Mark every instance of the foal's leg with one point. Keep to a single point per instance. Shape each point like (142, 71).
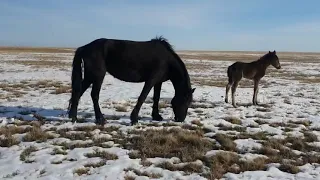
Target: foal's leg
(255, 91)
(135, 112)
(230, 83)
(155, 107)
(74, 105)
(95, 99)
(233, 91)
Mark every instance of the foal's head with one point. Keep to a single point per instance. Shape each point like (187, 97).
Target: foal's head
(272, 56)
(180, 105)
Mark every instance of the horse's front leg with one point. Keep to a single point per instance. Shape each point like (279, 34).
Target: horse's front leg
(255, 92)
(145, 91)
(156, 98)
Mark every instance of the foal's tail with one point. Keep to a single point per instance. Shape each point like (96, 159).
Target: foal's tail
(76, 77)
(229, 72)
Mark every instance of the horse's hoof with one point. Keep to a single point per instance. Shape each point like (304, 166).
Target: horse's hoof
(73, 119)
(226, 101)
(133, 123)
(100, 121)
(157, 117)
(235, 106)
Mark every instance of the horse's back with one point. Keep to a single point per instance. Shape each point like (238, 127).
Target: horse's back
(132, 61)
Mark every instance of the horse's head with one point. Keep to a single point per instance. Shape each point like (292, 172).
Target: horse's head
(274, 59)
(180, 104)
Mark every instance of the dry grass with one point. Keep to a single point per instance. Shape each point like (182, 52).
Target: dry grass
(65, 145)
(74, 135)
(226, 142)
(57, 150)
(61, 90)
(13, 129)
(306, 123)
(295, 76)
(280, 151)
(81, 171)
(223, 127)
(19, 89)
(233, 120)
(40, 64)
(144, 173)
(175, 142)
(37, 134)
(129, 177)
(25, 154)
(223, 81)
(97, 164)
(103, 154)
(197, 122)
(310, 137)
(289, 168)
(224, 162)
(257, 136)
(8, 140)
(13, 174)
(221, 163)
(121, 108)
(187, 167)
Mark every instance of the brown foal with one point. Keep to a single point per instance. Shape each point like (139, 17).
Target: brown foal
(254, 70)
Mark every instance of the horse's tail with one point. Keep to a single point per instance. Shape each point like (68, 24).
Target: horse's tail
(76, 77)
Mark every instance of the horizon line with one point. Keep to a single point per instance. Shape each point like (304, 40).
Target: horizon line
(201, 50)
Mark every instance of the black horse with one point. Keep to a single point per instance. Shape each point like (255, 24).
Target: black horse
(152, 62)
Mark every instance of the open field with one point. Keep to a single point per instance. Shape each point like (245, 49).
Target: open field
(279, 139)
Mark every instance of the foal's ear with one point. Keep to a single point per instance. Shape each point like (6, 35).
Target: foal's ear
(192, 90)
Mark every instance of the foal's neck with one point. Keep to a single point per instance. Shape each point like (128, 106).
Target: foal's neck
(264, 62)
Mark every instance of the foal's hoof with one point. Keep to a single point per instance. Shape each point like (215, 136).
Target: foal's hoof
(157, 117)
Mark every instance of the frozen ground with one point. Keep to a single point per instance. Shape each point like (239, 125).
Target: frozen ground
(277, 140)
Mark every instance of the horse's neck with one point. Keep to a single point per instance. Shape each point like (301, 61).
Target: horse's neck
(179, 78)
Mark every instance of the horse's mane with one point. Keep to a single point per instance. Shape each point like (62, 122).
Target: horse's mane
(165, 42)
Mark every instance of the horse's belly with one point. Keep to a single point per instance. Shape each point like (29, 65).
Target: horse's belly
(127, 75)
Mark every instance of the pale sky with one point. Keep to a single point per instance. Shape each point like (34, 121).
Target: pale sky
(282, 25)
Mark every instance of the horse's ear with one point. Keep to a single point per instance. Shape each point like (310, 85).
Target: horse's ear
(274, 52)
(269, 52)
(192, 90)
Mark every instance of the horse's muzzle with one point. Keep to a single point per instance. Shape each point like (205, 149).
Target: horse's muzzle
(279, 67)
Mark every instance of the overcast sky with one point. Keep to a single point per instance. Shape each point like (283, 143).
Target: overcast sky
(283, 25)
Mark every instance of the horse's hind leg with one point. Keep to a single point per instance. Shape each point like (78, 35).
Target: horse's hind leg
(145, 91)
(155, 107)
(76, 97)
(95, 99)
(233, 91)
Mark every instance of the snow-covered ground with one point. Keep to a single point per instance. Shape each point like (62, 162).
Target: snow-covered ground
(35, 86)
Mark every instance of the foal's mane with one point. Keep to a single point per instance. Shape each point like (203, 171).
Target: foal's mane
(264, 57)
(169, 47)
